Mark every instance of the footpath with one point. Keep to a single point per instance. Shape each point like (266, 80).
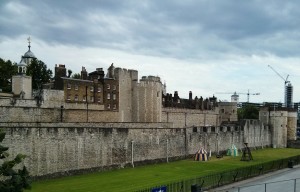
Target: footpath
(283, 180)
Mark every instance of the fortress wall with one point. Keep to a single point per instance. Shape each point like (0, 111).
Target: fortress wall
(37, 114)
(189, 117)
(53, 148)
(292, 126)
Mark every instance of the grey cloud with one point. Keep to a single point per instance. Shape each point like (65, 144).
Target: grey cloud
(189, 29)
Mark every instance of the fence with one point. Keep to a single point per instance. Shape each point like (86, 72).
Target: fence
(220, 179)
(291, 185)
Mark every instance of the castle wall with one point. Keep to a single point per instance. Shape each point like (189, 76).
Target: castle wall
(228, 111)
(147, 103)
(189, 117)
(22, 83)
(127, 80)
(20, 110)
(292, 126)
(65, 147)
(278, 120)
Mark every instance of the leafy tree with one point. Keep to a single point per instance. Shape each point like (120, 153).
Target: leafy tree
(12, 180)
(37, 69)
(248, 112)
(76, 76)
(7, 70)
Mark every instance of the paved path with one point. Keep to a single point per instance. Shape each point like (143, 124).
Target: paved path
(278, 181)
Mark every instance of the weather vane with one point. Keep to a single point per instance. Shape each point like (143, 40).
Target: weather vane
(29, 41)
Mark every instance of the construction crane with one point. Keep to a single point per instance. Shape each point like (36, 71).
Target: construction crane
(284, 79)
(235, 95)
(288, 89)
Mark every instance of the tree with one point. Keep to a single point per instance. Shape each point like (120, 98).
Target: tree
(248, 112)
(76, 76)
(12, 180)
(7, 70)
(37, 69)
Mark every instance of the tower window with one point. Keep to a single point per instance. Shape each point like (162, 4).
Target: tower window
(114, 97)
(108, 86)
(108, 95)
(68, 85)
(92, 88)
(76, 87)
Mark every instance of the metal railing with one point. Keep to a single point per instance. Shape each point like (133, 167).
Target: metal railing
(290, 185)
(223, 178)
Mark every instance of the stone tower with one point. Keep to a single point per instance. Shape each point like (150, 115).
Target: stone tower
(21, 83)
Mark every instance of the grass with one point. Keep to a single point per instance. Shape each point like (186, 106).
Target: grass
(130, 179)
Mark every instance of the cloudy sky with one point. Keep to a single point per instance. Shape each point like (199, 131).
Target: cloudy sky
(203, 46)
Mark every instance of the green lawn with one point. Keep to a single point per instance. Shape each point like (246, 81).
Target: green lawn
(130, 179)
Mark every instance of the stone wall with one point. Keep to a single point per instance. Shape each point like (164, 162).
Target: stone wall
(147, 104)
(62, 148)
(21, 110)
(189, 117)
(127, 80)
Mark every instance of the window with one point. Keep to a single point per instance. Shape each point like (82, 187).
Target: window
(76, 87)
(195, 129)
(84, 98)
(108, 106)
(114, 87)
(228, 128)
(114, 97)
(68, 85)
(99, 99)
(91, 98)
(115, 106)
(69, 97)
(108, 95)
(108, 86)
(99, 88)
(92, 88)
(76, 98)
(205, 129)
(213, 129)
